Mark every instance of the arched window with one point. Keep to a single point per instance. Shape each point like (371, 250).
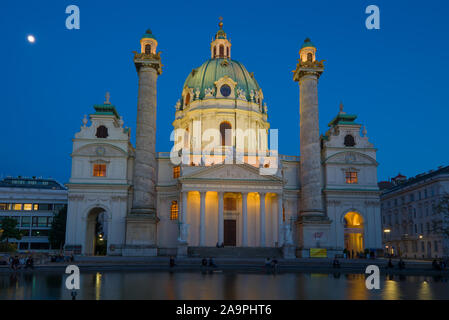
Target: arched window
(174, 210)
(227, 52)
(349, 141)
(102, 132)
(187, 100)
(309, 57)
(221, 51)
(215, 52)
(223, 127)
(147, 48)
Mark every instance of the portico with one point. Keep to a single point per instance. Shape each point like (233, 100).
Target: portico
(235, 212)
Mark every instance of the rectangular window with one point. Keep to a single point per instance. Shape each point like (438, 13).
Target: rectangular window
(35, 206)
(27, 207)
(230, 204)
(99, 170)
(39, 246)
(39, 233)
(17, 206)
(3, 206)
(176, 172)
(26, 221)
(42, 222)
(351, 177)
(174, 209)
(45, 207)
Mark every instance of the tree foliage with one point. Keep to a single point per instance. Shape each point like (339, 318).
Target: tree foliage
(56, 235)
(9, 230)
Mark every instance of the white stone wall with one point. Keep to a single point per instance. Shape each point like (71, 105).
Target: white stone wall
(110, 193)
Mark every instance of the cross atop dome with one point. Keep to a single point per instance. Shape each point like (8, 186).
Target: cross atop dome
(220, 46)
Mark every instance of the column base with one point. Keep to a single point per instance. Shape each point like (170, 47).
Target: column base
(313, 234)
(141, 235)
(182, 250)
(289, 251)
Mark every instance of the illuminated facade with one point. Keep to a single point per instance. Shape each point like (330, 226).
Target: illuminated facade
(410, 218)
(223, 183)
(32, 202)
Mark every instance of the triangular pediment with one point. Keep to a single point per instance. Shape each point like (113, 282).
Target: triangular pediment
(231, 172)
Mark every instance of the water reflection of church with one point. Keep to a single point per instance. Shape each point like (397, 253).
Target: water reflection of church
(152, 205)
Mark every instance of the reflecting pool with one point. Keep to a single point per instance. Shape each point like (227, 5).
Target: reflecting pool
(219, 285)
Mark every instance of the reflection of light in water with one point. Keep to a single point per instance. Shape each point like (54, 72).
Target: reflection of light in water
(97, 286)
(424, 291)
(391, 290)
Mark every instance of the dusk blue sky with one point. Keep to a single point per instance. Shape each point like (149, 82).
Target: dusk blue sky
(394, 79)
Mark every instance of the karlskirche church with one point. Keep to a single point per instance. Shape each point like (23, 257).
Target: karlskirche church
(223, 188)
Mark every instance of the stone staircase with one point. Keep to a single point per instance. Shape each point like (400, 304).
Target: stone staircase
(234, 252)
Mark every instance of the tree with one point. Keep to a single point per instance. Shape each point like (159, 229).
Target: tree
(9, 230)
(56, 235)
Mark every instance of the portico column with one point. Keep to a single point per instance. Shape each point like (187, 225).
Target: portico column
(262, 219)
(280, 219)
(202, 218)
(244, 219)
(220, 217)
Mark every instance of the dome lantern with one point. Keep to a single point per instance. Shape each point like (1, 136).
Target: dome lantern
(148, 43)
(308, 51)
(220, 47)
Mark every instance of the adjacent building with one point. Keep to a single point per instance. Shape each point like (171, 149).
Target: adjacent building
(32, 202)
(409, 215)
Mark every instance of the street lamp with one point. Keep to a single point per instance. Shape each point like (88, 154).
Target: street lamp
(387, 231)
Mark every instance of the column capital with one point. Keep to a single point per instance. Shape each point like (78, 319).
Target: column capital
(308, 68)
(145, 60)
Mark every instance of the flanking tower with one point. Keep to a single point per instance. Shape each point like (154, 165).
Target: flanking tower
(141, 222)
(313, 222)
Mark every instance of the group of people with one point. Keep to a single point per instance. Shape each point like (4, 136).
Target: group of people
(401, 264)
(271, 264)
(220, 245)
(62, 258)
(208, 263)
(17, 263)
(351, 254)
(439, 265)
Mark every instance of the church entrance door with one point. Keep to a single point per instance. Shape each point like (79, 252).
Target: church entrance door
(230, 233)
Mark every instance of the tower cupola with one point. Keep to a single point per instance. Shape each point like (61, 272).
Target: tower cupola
(307, 51)
(220, 47)
(148, 43)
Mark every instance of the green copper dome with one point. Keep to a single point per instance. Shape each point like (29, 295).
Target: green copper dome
(148, 34)
(212, 70)
(307, 43)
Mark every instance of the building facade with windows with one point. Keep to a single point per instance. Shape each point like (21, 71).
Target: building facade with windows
(409, 216)
(223, 182)
(32, 202)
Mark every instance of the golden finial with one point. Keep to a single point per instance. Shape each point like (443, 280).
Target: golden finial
(220, 24)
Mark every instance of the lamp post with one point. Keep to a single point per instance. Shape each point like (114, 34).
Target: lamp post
(387, 232)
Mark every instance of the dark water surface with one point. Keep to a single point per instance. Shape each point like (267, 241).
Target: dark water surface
(219, 285)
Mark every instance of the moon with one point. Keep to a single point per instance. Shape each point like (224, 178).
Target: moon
(31, 38)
